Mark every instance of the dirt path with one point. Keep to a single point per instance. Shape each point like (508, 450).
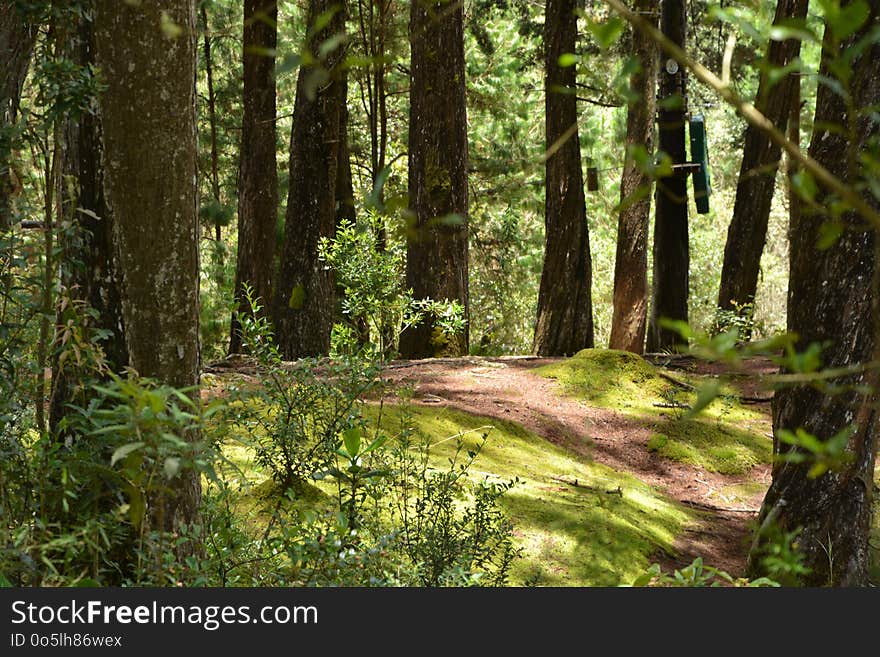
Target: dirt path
(506, 388)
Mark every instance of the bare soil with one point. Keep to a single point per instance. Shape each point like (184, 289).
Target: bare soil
(507, 388)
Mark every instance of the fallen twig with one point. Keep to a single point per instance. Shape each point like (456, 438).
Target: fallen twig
(680, 384)
(616, 491)
(712, 507)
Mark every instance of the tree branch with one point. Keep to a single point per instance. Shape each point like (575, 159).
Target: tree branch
(751, 115)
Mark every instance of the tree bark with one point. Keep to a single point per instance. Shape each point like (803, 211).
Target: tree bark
(345, 209)
(17, 37)
(437, 236)
(258, 173)
(628, 322)
(304, 293)
(671, 249)
(90, 271)
(565, 308)
(833, 296)
(757, 177)
(148, 114)
(212, 114)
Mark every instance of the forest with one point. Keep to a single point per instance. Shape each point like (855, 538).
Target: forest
(505, 293)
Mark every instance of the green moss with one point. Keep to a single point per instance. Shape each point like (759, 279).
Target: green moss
(297, 297)
(746, 494)
(725, 437)
(707, 444)
(610, 379)
(584, 535)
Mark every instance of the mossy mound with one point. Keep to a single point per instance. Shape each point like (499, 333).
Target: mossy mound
(610, 378)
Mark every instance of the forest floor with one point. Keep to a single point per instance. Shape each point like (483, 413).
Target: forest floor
(510, 389)
(614, 472)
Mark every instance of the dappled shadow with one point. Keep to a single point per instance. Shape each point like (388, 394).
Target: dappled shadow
(507, 390)
(585, 535)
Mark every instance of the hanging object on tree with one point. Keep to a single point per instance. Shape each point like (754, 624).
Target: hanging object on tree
(700, 155)
(592, 179)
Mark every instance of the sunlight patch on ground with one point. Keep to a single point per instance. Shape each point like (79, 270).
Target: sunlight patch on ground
(726, 437)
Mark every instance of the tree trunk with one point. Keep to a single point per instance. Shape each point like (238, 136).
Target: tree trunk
(304, 292)
(437, 237)
(833, 297)
(565, 308)
(631, 264)
(374, 18)
(345, 209)
(17, 36)
(793, 132)
(148, 114)
(757, 177)
(212, 114)
(90, 273)
(258, 174)
(671, 251)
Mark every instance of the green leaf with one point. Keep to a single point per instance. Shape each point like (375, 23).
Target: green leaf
(124, 451)
(113, 428)
(681, 327)
(288, 63)
(374, 200)
(804, 185)
(351, 438)
(848, 19)
(87, 583)
(785, 32)
(567, 59)
(606, 32)
(370, 474)
(376, 444)
(776, 74)
(173, 439)
(706, 394)
(763, 581)
(329, 472)
(323, 20)
(673, 102)
(646, 578)
(829, 233)
(329, 45)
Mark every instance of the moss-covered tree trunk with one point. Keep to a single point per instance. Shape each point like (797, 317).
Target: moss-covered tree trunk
(833, 297)
(747, 232)
(148, 114)
(17, 36)
(565, 308)
(304, 295)
(437, 234)
(90, 271)
(628, 322)
(257, 173)
(669, 299)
